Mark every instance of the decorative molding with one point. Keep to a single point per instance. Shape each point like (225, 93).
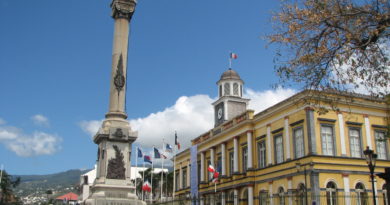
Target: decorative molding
(326, 120)
(277, 130)
(116, 166)
(297, 122)
(353, 123)
(119, 79)
(260, 137)
(123, 9)
(380, 126)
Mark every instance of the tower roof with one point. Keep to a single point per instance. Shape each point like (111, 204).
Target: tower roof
(230, 74)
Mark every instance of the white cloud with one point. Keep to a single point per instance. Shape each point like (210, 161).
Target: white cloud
(189, 116)
(91, 127)
(40, 120)
(39, 143)
(25, 145)
(261, 100)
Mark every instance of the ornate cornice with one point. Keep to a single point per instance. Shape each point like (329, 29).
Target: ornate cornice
(123, 8)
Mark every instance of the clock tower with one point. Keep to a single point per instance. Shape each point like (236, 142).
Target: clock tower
(230, 102)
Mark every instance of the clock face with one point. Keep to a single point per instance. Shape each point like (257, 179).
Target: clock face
(220, 113)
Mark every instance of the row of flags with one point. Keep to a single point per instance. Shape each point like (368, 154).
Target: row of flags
(156, 154)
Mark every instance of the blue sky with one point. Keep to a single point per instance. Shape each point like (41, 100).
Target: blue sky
(55, 62)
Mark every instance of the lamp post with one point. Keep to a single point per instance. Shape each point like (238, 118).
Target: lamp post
(371, 161)
(298, 166)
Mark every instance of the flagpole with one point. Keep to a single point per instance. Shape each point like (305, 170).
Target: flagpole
(151, 179)
(174, 172)
(162, 171)
(143, 180)
(136, 171)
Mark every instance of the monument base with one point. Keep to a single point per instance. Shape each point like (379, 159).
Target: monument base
(103, 194)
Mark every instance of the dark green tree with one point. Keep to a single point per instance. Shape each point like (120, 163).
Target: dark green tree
(6, 189)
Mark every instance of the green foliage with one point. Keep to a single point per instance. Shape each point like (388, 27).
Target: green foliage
(7, 185)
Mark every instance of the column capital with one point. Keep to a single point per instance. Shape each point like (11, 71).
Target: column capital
(249, 131)
(309, 108)
(236, 137)
(289, 178)
(344, 174)
(286, 117)
(365, 116)
(123, 9)
(269, 125)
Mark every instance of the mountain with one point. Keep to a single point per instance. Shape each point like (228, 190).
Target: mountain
(36, 186)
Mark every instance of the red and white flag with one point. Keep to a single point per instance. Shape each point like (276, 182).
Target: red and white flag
(215, 176)
(211, 169)
(146, 187)
(233, 56)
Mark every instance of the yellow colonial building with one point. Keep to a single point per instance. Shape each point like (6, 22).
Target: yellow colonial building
(290, 153)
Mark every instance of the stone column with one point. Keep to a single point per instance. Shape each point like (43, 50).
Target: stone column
(271, 202)
(368, 131)
(212, 156)
(346, 189)
(181, 177)
(249, 135)
(311, 134)
(250, 195)
(188, 174)
(287, 138)
(202, 166)
(269, 158)
(223, 198)
(342, 133)
(223, 153)
(236, 197)
(290, 189)
(122, 12)
(235, 167)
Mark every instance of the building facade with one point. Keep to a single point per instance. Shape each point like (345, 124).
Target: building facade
(291, 153)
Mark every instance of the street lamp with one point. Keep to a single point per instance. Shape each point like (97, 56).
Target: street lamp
(298, 166)
(371, 161)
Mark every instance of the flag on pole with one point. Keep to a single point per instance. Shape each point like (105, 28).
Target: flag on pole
(168, 148)
(147, 159)
(211, 169)
(139, 152)
(163, 156)
(215, 177)
(177, 142)
(157, 154)
(233, 56)
(146, 187)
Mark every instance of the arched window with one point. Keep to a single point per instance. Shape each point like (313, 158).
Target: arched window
(235, 89)
(361, 194)
(263, 197)
(384, 192)
(331, 193)
(220, 90)
(300, 196)
(226, 89)
(280, 197)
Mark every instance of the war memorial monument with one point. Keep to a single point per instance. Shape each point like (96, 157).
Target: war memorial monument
(112, 185)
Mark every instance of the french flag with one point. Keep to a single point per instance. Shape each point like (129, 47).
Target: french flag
(233, 56)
